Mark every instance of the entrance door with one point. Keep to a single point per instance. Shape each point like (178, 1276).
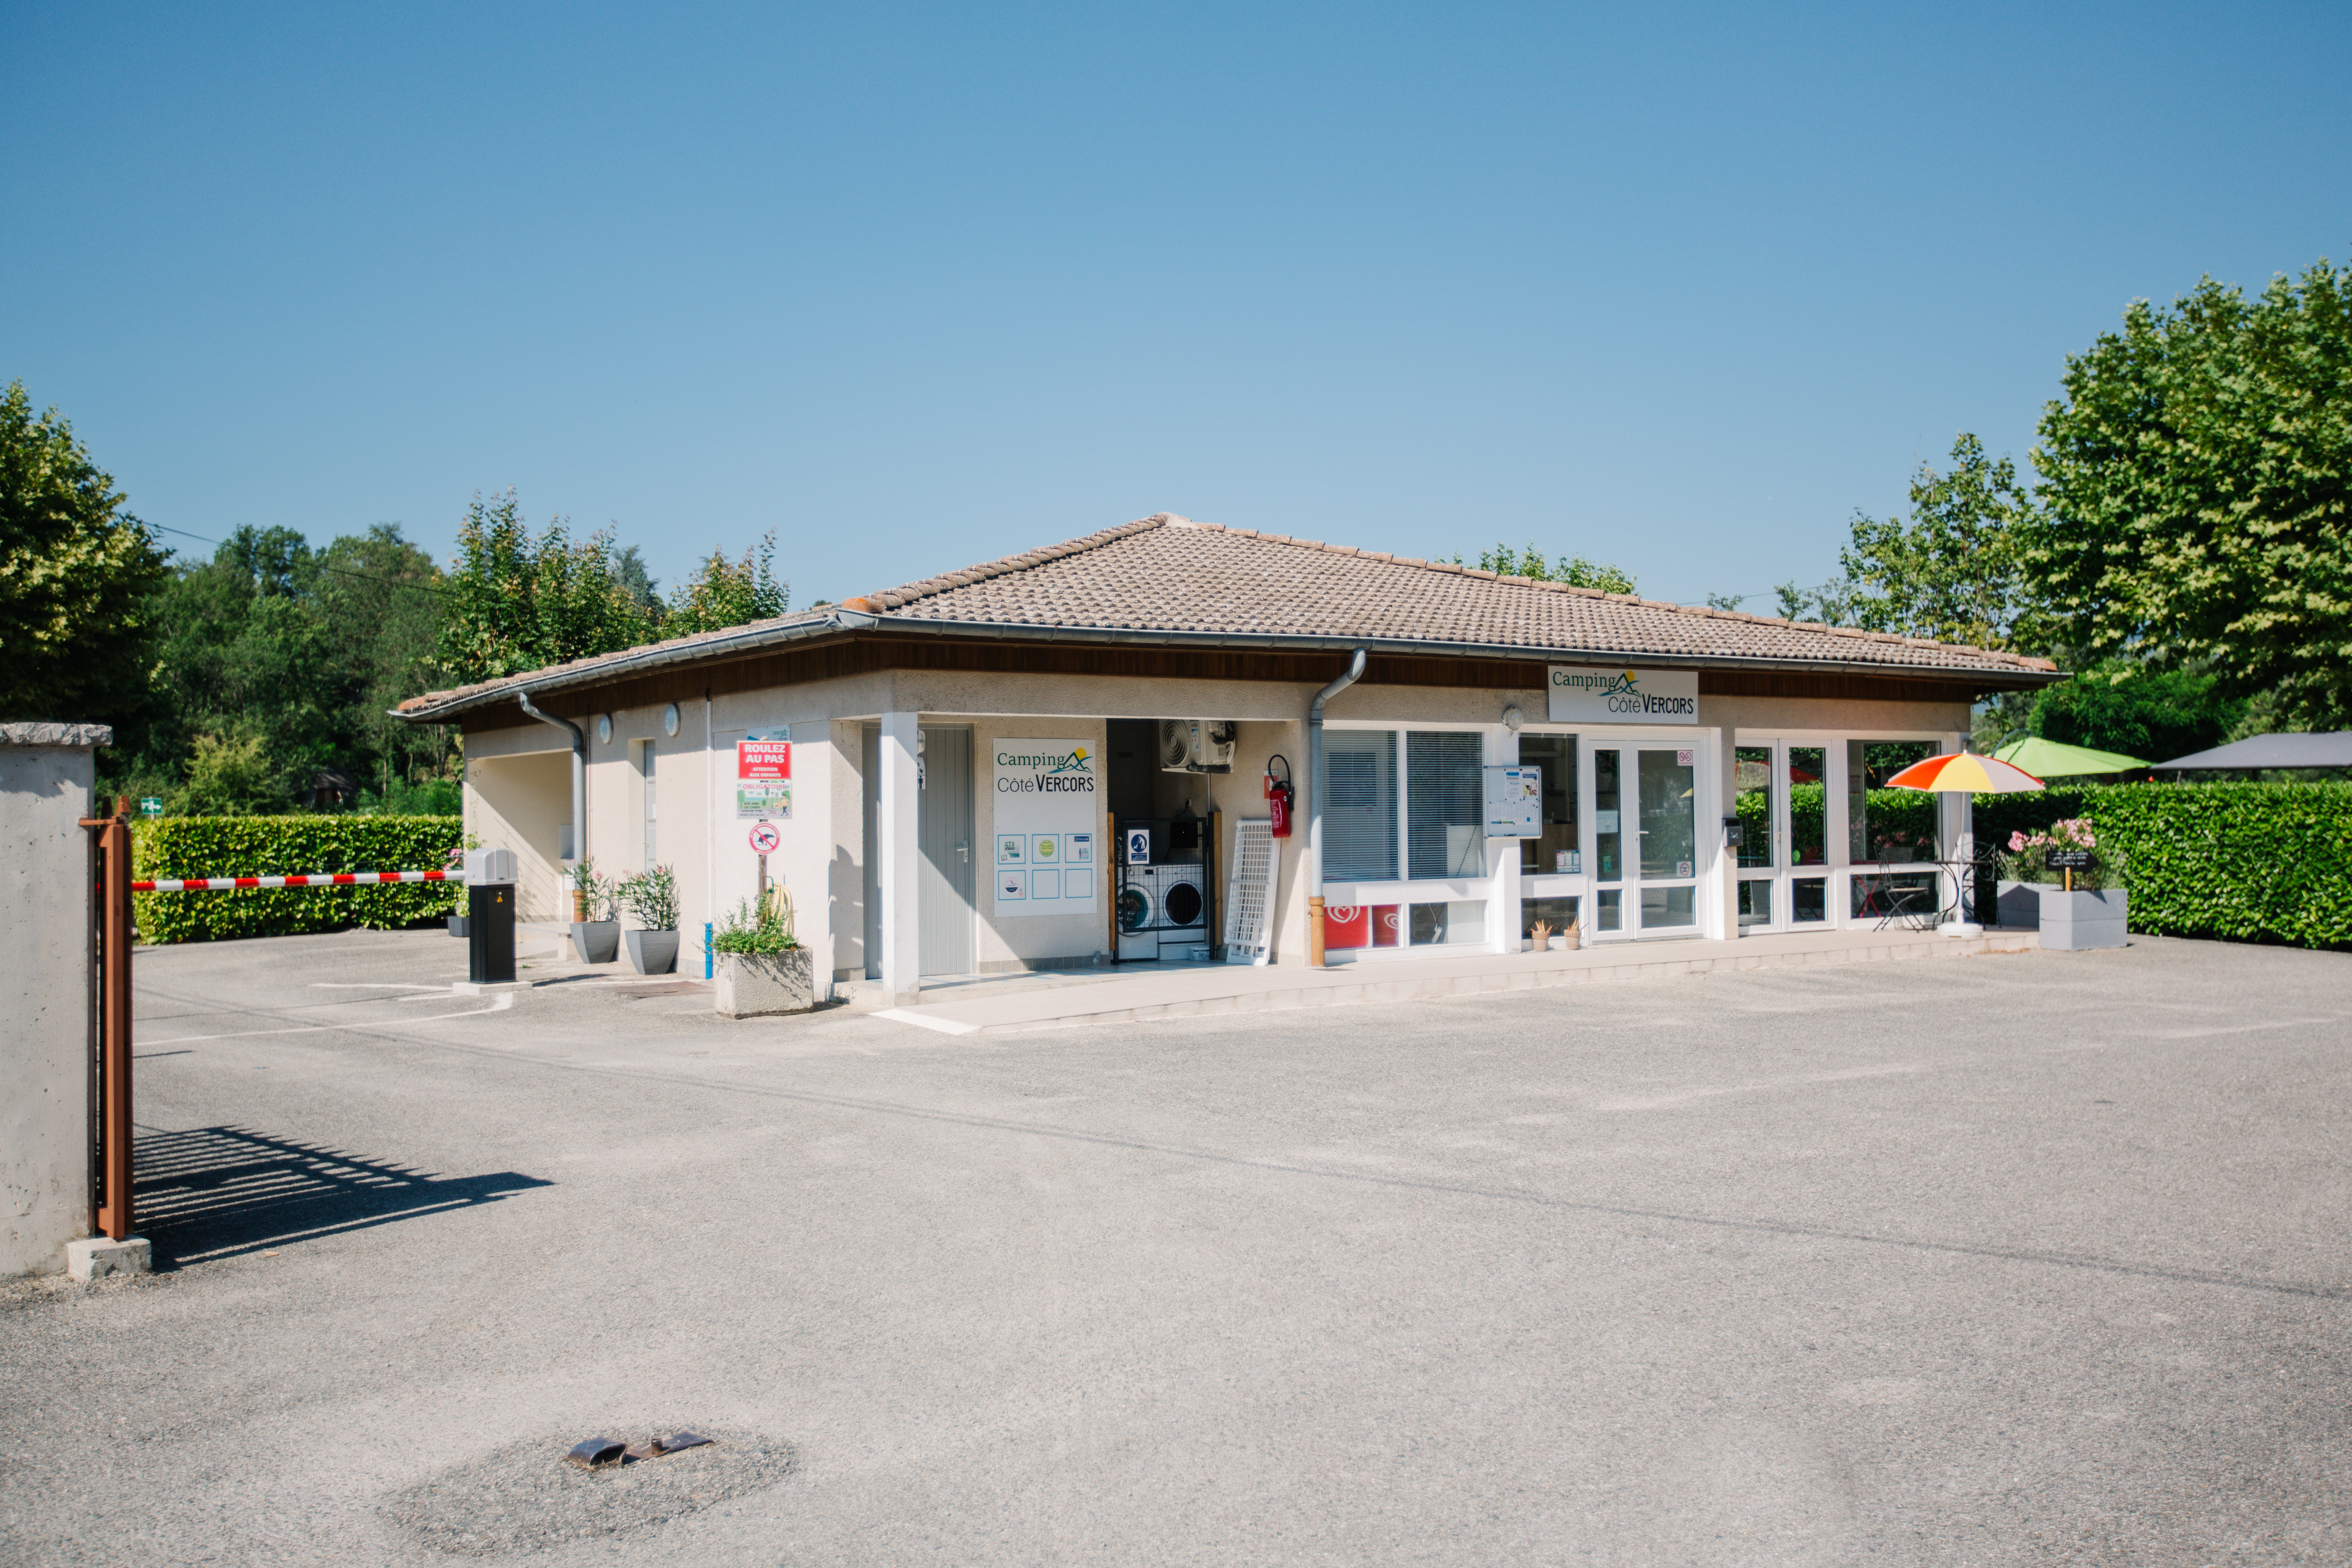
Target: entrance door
(1645, 839)
(944, 872)
(1783, 805)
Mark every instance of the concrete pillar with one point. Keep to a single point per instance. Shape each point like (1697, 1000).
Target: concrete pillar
(897, 850)
(1501, 748)
(46, 777)
(1956, 838)
(1723, 894)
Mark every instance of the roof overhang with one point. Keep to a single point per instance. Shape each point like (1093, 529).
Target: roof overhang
(836, 623)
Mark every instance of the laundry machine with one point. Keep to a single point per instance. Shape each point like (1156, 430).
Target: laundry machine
(1140, 912)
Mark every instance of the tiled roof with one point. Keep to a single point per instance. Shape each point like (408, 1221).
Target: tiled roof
(1167, 576)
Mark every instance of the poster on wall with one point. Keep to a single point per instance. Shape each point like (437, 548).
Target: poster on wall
(1515, 802)
(763, 775)
(1046, 799)
(1613, 695)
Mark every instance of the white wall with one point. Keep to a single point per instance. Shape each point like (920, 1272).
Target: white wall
(46, 772)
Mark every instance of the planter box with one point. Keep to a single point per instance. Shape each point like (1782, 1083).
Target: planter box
(458, 927)
(652, 951)
(596, 942)
(2070, 923)
(754, 985)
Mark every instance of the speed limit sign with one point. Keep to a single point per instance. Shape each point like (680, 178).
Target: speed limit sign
(764, 838)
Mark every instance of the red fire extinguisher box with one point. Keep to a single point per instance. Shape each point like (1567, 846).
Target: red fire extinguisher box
(1278, 796)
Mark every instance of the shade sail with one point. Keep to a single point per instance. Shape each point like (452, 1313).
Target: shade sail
(1966, 773)
(2331, 749)
(2050, 760)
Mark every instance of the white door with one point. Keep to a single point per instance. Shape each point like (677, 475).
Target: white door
(1782, 802)
(1645, 839)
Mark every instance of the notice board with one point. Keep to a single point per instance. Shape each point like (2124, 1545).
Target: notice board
(1045, 800)
(763, 775)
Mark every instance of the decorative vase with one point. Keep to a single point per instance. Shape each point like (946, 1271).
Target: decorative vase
(652, 951)
(757, 984)
(596, 942)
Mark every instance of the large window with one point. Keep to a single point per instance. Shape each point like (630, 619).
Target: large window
(1445, 804)
(1892, 827)
(1557, 851)
(1359, 805)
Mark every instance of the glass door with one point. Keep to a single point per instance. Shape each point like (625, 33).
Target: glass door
(1782, 804)
(1645, 839)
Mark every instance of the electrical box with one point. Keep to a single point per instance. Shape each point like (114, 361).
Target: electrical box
(483, 867)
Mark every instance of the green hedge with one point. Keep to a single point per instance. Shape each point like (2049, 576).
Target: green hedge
(177, 846)
(2250, 862)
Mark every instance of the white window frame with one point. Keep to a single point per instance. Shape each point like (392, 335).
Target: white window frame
(1499, 889)
(1838, 846)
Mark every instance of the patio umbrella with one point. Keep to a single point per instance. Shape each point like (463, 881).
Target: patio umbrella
(2050, 760)
(1966, 773)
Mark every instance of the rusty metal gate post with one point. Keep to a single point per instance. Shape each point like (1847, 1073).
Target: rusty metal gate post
(112, 1195)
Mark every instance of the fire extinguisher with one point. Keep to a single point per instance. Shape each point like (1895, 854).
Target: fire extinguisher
(1279, 794)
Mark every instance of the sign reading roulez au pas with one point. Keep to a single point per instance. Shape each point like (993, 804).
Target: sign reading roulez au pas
(1047, 804)
(1611, 694)
(763, 775)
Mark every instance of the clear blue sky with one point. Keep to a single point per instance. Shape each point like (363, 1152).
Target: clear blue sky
(1678, 288)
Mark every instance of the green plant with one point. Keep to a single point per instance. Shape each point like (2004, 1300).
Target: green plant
(168, 848)
(652, 897)
(2028, 856)
(761, 929)
(601, 895)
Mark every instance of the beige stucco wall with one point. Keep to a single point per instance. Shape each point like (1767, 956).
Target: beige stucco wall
(518, 786)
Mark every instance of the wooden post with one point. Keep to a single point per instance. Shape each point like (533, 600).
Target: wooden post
(115, 1211)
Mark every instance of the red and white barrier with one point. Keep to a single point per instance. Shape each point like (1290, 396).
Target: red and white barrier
(316, 879)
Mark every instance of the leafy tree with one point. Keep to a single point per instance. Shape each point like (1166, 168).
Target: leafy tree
(1577, 572)
(233, 777)
(641, 585)
(1952, 572)
(2155, 714)
(76, 574)
(2197, 479)
(516, 602)
(724, 593)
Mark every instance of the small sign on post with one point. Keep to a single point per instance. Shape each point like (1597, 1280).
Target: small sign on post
(151, 806)
(2069, 861)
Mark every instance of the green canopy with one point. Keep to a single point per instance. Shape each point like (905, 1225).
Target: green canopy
(2049, 760)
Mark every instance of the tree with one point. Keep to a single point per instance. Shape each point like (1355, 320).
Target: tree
(515, 603)
(76, 574)
(724, 593)
(1953, 572)
(2197, 479)
(2153, 714)
(1577, 572)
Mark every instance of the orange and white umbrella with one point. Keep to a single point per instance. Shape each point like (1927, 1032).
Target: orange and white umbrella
(1966, 773)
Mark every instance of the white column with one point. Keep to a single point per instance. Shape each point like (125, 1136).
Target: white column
(1956, 839)
(895, 844)
(1724, 896)
(1501, 748)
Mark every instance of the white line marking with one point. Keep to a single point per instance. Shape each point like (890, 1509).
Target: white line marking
(371, 985)
(910, 1015)
(498, 1005)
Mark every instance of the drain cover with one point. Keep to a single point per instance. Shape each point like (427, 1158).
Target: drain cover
(530, 1495)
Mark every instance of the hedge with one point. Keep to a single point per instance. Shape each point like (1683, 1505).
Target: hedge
(174, 846)
(2248, 862)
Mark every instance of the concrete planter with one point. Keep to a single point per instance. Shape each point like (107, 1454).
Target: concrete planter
(2070, 921)
(458, 927)
(596, 942)
(753, 985)
(652, 951)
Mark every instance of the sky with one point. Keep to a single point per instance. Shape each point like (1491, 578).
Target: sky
(1678, 288)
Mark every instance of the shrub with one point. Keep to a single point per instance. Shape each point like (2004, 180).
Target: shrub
(764, 928)
(2248, 862)
(652, 897)
(165, 847)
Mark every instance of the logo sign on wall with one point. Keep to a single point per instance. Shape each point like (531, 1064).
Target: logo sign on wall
(1582, 695)
(1046, 801)
(764, 775)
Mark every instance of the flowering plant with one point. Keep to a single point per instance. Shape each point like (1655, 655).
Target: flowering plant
(2028, 859)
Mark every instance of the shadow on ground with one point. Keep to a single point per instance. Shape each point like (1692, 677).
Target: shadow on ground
(215, 1192)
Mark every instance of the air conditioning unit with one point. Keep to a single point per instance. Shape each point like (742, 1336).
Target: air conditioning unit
(1197, 745)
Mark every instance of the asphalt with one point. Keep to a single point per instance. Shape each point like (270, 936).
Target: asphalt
(2011, 1259)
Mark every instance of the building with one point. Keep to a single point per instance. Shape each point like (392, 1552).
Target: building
(955, 752)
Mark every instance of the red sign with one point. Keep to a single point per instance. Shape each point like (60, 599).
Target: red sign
(764, 838)
(763, 759)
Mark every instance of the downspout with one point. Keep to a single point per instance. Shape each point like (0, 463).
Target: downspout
(1315, 806)
(579, 795)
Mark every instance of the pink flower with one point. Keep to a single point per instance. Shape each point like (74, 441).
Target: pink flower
(2016, 842)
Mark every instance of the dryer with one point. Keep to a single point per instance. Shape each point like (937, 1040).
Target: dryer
(1138, 913)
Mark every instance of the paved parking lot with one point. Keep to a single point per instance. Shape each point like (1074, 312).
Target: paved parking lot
(2035, 1258)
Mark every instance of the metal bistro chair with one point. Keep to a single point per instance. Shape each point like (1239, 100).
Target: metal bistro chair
(1909, 907)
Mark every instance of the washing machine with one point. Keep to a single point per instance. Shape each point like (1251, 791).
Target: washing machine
(1139, 913)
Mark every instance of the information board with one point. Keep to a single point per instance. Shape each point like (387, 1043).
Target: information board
(1514, 802)
(763, 775)
(1046, 801)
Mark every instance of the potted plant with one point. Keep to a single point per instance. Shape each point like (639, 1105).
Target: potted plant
(651, 897)
(596, 932)
(1570, 935)
(1539, 936)
(762, 969)
(2080, 903)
